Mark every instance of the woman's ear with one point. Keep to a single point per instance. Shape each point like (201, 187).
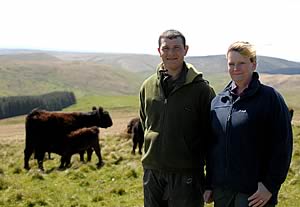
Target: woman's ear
(254, 64)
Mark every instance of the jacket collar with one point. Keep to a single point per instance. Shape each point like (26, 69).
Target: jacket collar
(250, 90)
(192, 73)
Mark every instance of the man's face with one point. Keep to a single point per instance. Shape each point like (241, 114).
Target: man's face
(172, 52)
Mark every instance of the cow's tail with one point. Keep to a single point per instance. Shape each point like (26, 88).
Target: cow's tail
(29, 139)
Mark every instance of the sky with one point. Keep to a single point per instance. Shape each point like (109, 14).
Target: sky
(133, 26)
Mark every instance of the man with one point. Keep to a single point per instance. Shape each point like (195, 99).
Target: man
(174, 111)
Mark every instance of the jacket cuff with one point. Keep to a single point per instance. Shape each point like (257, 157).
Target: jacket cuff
(271, 186)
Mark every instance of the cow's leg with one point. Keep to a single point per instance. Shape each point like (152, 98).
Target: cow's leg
(97, 150)
(62, 161)
(133, 148)
(141, 142)
(40, 159)
(27, 154)
(81, 154)
(65, 160)
(134, 140)
(68, 160)
(49, 156)
(89, 154)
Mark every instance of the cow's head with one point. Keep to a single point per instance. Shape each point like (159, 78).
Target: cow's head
(129, 128)
(104, 117)
(132, 123)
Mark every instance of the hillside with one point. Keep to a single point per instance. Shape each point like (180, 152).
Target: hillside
(30, 72)
(36, 73)
(139, 63)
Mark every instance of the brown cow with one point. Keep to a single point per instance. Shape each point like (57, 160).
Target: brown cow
(135, 128)
(47, 131)
(81, 140)
(89, 151)
(131, 123)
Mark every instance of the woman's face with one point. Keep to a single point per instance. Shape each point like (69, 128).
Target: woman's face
(240, 68)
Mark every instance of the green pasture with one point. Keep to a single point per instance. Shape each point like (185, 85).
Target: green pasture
(117, 184)
(126, 103)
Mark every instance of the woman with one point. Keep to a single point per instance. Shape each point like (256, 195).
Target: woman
(252, 147)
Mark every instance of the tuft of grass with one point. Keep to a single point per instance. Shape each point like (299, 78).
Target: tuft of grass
(17, 170)
(119, 191)
(118, 160)
(97, 198)
(37, 176)
(3, 184)
(132, 173)
(76, 175)
(19, 196)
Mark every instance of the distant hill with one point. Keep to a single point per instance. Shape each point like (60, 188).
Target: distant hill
(217, 63)
(33, 72)
(38, 73)
(131, 62)
(209, 64)
(28, 57)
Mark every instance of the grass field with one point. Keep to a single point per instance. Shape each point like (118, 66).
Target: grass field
(117, 184)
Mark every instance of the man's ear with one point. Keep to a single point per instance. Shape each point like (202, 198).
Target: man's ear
(186, 49)
(158, 49)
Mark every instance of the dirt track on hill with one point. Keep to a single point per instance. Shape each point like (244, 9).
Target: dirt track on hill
(16, 132)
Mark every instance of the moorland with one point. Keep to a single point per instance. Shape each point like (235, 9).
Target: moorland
(111, 81)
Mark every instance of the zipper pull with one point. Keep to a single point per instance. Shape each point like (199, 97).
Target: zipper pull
(166, 101)
(228, 117)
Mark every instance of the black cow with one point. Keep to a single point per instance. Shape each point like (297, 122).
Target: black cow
(89, 151)
(81, 140)
(291, 110)
(47, 131)
(131, 123)
(135, 128)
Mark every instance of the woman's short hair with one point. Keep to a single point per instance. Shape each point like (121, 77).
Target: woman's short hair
(244, 48)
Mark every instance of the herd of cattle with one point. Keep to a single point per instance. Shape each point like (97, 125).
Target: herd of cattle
(67, 134)
(64, 134)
